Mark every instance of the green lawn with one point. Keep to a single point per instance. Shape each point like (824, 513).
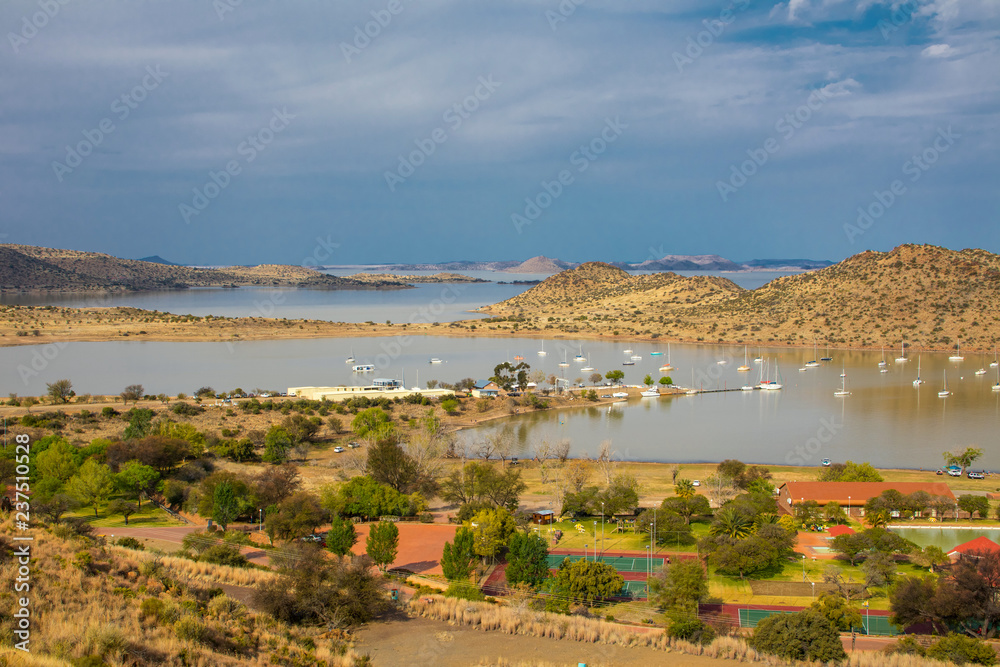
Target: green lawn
(149, 515)
(613, 541)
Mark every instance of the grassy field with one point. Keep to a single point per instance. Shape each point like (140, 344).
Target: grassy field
(148, 516)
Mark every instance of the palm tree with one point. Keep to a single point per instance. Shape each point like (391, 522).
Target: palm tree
(684, 488)
(732, 523)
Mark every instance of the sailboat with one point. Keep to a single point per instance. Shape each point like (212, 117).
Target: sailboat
(996, 387)
(918, 381)
(883, 362)
(666, 368)
(564, 363)
(771, 385)
(996, 360)
(944, 392)
(745, 368)
(827, 357)
(588, 368)
(902, 353)
(542, 351)
(958, 353)
(350, 359)
(580, 358)
(843, 385)
(758, 359)
(813, 363)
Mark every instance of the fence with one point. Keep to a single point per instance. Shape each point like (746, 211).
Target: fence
(870, 625)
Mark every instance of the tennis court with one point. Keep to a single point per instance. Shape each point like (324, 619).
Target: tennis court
(620, 563)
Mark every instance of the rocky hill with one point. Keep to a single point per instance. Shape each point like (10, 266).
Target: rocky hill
(927, 296)
(540, 264)
(37, 268)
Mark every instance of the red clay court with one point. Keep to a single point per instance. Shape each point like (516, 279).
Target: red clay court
(420, 545)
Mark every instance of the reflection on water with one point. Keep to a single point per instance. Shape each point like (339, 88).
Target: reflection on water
(945, 538)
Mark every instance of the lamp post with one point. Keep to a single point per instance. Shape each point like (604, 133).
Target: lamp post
(585, 551)
(260, 518)
(595, 541)
(803, 567)
(649, 562)
(602, 528)
(848, 509)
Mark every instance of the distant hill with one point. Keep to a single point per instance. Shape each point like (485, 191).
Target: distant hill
(686, 263)
(156, 259)
(540, 264)
(787, 264)
(37, 268)
(926, 295)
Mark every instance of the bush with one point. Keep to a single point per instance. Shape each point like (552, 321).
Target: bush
(130, 543)
(190, 629)
(690, 628)
(906, 645)
(108, 412)
(807, 635)
(426, 517)
(223, 554)
(186, 409)
(152, 608)
(961, 649)
(464, 591)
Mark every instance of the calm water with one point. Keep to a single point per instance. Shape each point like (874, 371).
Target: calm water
(424, 303)
(945, 538)
(886, 420)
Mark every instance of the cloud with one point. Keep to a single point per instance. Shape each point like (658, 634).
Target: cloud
(937, 51)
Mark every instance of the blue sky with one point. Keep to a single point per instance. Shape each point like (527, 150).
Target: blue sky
(217, 132)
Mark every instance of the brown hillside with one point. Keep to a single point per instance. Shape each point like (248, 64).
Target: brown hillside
(540, 264)
(928, 296)
(57, 269)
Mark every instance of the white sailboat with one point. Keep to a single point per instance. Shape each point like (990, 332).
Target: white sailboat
(958, 353)
(745, 368)
(771, 385)
(996, 361)
(883, 362)
(813, 363)
(628, 362)
(579, 358)
(588, 368)
(918, 381)
(350, 359)
(902, 353)
(843, 385)
(944, 392)
(564, 363)
(996, 387)
(542, 351)
(666, 368)
(758, 359)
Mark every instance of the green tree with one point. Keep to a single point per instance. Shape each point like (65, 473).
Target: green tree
(595, 378)
(732, 523)
(961, 649)
(91, 485)
(684, 488)
(491, 530)
(962, 457)
(133, 393)
(300, 428)
(225, 506)
(296, 516)
(614, 376)
(372, 421)
(459, 557)
(57, 462)
(978, 504)
(850, 472)
(388, 464)
(277, 442)
(806, 635)
(622, 495)
(838, 611)
(383, 543)
(648, 380)
(587, 581)
(482, 483)
(450, 405)
(341, 536)
(137, 479)
(666, 381)
(60, 391)
(687, 507)
(527, 560)
(123, 507)
(879, 569)
(140, 423)
(680, 586)
(507, 376)
(834, 513)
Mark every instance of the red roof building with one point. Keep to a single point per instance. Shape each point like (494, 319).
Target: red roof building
(840, 530)
(852, 496)
(981, 543)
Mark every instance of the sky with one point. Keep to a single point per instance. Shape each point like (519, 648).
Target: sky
(368, 131)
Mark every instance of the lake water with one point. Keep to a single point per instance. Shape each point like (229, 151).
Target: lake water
(433, 302)
(945, 538)
(886, 420)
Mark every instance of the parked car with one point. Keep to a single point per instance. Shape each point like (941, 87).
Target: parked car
(354, 445)
(695, 483)
(939, 472)
(954, 472)
(338, 450)
(976, 475)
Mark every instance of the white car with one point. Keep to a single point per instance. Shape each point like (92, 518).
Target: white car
(695, 483)
(338, 450)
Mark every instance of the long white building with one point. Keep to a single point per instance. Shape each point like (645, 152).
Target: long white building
(380, 387)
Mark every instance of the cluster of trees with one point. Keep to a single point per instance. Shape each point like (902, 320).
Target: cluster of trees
(620, 496)
(746, 537)
(880, 509)
(850, 472)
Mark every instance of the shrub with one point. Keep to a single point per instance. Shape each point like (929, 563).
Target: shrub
(906, 645)
(690, 628)
(806, 635)
(108, 412)
(190, 629)
(961, 649)
(130, 543)
(222, 554)
(152, 607)
(463, 591)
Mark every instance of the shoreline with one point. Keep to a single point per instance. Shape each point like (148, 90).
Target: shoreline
(129, 324)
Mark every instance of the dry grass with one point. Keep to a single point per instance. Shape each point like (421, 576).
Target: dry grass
(197, 571)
